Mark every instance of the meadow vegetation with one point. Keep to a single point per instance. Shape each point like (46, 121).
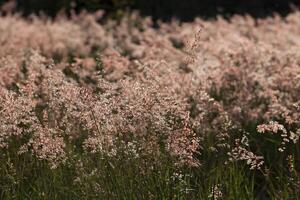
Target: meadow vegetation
(126, 110)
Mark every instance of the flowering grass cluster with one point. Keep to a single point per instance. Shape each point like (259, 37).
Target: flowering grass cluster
(127, 110)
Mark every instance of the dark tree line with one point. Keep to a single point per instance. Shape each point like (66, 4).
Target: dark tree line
(210, 8)
(184, 9)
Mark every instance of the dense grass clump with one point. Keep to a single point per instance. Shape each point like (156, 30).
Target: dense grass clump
(122, 110)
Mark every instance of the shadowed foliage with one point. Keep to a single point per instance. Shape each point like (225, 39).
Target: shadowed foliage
(166, 9)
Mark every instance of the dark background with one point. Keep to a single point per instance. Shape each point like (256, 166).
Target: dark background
(163, 9)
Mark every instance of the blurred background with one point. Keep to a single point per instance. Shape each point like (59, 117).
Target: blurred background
(158, 9)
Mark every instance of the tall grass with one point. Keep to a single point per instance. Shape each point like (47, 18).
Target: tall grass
(123, 110)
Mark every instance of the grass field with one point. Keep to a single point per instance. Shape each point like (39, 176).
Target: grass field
(208, 109)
